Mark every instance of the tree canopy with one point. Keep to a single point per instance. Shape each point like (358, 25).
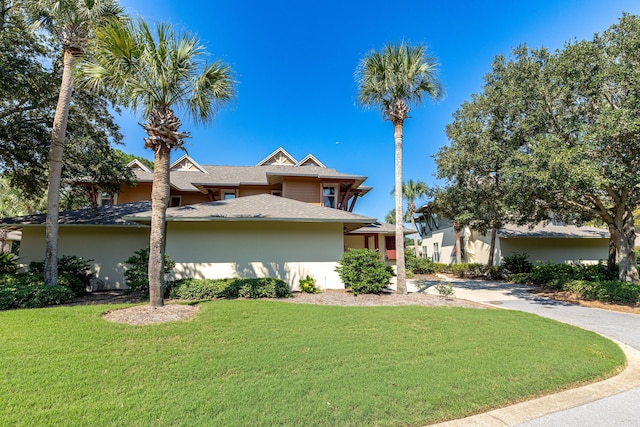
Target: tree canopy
(31, 72)
(553, 133)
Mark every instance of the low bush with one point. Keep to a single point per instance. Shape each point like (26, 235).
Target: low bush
(199, 289)
(444, 289)
(495, 272)
(439, 267)
(8, 262)
(308, 285)
(29, 291)
(608, 290)
(516, 263)
(362, 271)
(553, 276)
(137, 275)
(419, 265)
(468, 269)
(69, 265)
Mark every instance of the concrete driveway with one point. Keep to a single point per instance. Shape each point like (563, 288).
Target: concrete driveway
(613, 402)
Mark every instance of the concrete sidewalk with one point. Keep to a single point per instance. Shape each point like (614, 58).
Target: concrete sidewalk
(612, 402)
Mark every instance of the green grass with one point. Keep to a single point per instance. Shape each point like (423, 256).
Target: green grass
(271, 363)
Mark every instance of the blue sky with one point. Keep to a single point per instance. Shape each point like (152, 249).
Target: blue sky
(294, 62)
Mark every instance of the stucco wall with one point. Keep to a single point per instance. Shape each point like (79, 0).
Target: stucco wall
(107, 246)
(289, 251)
(558, 250)
(445, 239)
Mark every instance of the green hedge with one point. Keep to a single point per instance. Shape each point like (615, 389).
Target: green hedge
(29, 291)
(609, 290)
(555, 276)
(199, 289)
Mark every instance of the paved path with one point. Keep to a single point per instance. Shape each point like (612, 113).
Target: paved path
(613, 402)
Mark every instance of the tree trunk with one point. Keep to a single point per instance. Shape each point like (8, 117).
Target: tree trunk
(401, 278)
(611, 260)
(492, 247)
(624, 237)
(458, 245)
(56, 152)
(159, 203)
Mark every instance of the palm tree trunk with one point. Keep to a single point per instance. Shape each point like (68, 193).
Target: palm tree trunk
(56, 152)
(401, 279)
(159, 203)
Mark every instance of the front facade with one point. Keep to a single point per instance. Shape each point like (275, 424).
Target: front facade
(280, 218)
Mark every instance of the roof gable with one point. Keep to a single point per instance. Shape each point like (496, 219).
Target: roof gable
(186, 163)
(278, 157)
(310, 160)
(137, 164)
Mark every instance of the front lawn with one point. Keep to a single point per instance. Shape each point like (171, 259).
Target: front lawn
(273, 363)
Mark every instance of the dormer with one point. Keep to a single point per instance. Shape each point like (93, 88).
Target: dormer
(280, 157)
(186, 164)
(136, 164)
(310, 160)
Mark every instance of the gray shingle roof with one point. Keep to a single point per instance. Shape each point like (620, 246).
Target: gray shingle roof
(381, 227)
(247, 175)
(105, 215)
(261, 207)
(552, 231)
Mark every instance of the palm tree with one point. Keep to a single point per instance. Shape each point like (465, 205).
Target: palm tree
(71, 21)
(153, 72)
(391, 79)
(410, 192)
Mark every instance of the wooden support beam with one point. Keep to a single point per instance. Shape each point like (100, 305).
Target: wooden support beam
(353, 202)
(345, 198)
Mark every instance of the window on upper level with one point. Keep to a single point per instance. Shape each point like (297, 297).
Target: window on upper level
(175, 201)
(105, 199)
(330, 196)
(226, 195)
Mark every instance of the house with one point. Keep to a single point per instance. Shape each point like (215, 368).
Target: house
(552, 241)
(280, 218)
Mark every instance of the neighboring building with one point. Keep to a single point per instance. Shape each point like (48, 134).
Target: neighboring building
(281, 218)
(545, 242)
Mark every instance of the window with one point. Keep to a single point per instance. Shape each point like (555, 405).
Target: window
(330, 197)
(105, 199)
(228, 195)
(435, 256)
(425, 254)
(175, 201)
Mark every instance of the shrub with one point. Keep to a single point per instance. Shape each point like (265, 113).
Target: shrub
(553, 276)
(69, 265)
(308, 285)
(439, 267)
(444, 289)
(495, 272)
(29, 291)
(197, 289)
(468, 269)
(516, 263)
(8, 262)
(608, 290)
(419, 265)
(362, 271)
(522, 278)
(137, 275)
